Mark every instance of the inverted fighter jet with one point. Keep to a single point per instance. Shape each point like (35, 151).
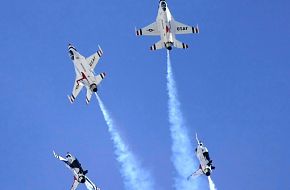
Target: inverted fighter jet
(79, 174)
(206, 165)
(166, 27)
(85, 75)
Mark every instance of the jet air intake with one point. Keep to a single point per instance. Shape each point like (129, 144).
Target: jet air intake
(93, 87)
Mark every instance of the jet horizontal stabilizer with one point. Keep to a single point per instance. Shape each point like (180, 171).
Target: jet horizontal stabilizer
(88, 96)
(157, 46)
(179, 44)
(71, 98)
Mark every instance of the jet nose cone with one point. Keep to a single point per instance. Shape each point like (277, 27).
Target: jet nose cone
(70, 46)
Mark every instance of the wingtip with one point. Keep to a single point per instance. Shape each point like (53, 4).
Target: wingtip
(54, 154)
(69, 98)
(100, 49)
(196, 137)
(138, 32)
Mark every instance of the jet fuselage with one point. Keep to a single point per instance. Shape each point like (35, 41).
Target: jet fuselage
(163, 20)
(205, 164)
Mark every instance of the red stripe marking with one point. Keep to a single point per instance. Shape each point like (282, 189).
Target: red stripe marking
(167, 29)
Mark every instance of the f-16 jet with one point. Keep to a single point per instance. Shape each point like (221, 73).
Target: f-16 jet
(166, 27)
(206, 165)
(79, 174)
(85, 75)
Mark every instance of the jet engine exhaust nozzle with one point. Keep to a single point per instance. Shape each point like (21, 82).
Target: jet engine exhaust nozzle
(169, 45)
(82, 179)
(207, 171)
(93, 87)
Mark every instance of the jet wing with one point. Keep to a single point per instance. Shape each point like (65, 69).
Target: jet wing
(76, 90)
(195, 174)
(150, 30)
(58, 157)
(94, 59)
(90, 185)
(180, 28)
(75, 184)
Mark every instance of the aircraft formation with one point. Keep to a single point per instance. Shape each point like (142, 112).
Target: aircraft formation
(167, 28)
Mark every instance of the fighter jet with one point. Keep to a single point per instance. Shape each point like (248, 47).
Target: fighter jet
(167, 28)
(206, 165)
(79, 174)
(85, 76)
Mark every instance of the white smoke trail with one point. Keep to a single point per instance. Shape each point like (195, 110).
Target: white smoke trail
(211, 184)
(135, 177)
(182, 151)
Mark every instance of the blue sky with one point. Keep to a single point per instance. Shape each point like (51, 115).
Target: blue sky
(233, 85)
